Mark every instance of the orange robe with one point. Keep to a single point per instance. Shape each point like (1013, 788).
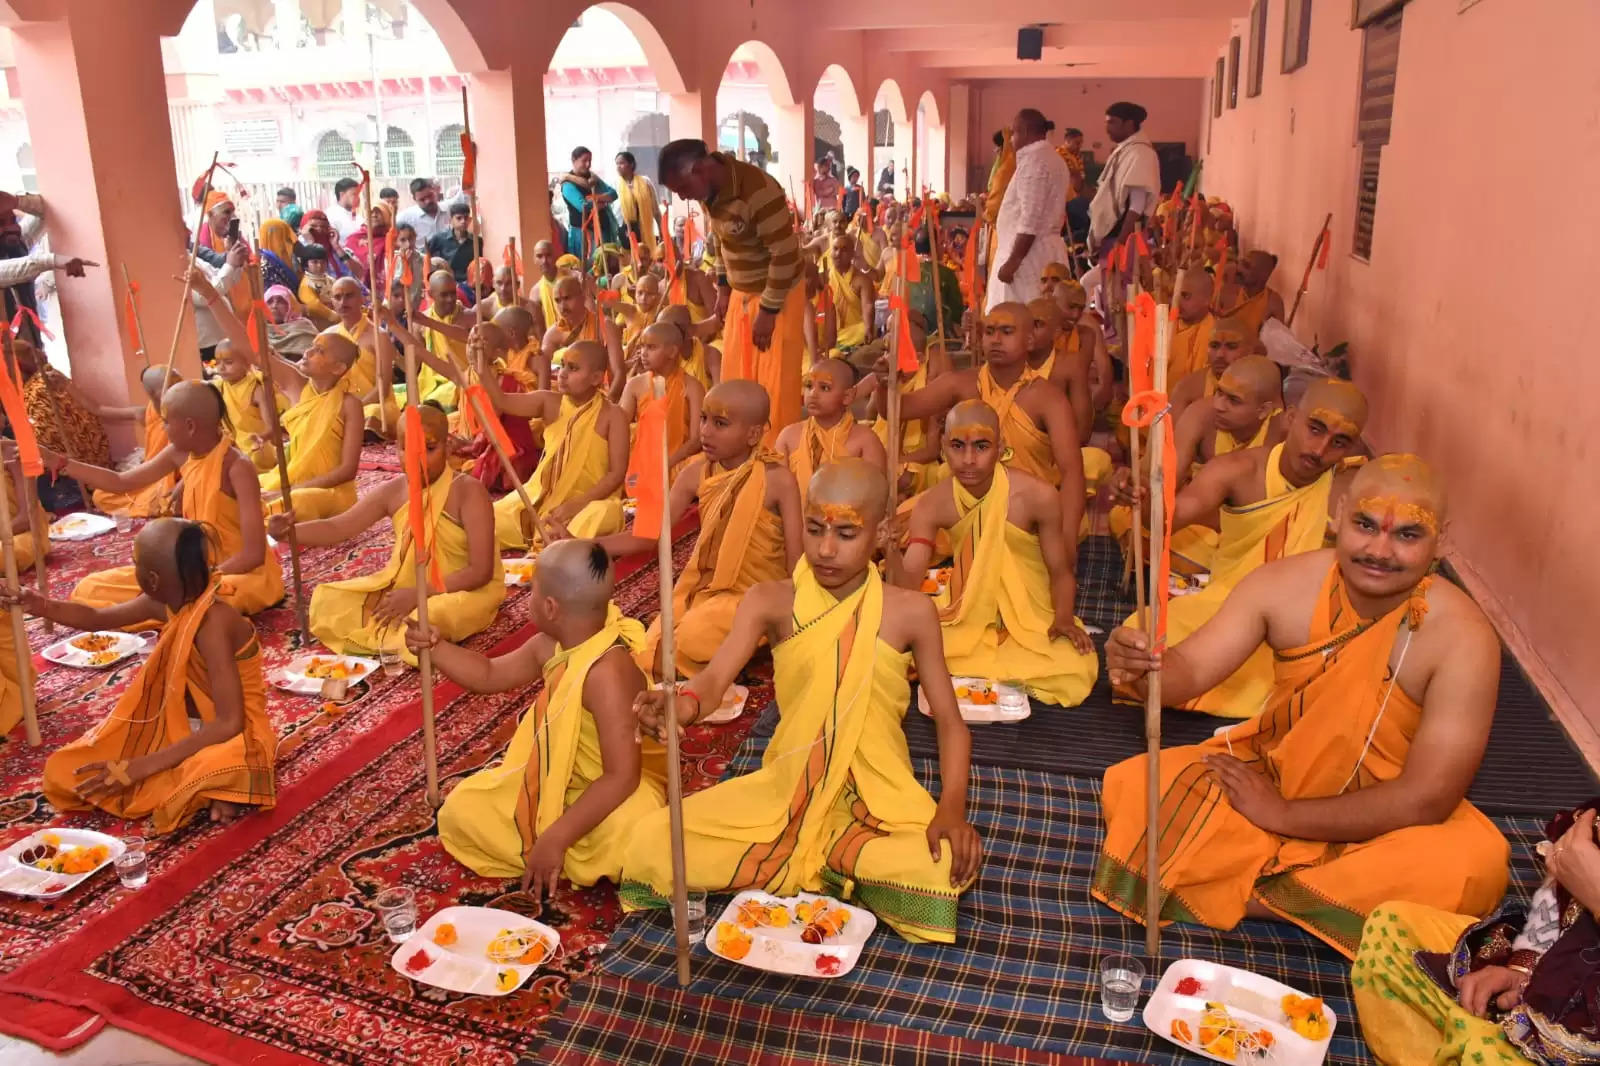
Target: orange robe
(154, 713)
(676, 421)
(151, 500)
(1328, 698)
(1189, 349)
(1026, 446)
(1251, 310)
(205, 502)
(741, 544)
(778, 368)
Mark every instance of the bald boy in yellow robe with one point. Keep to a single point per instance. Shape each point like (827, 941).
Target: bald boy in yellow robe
(850, 296)
(191, 732)
(577, 486)
(567, 793)
(662, 382)
(465, 581)
(323, 426)
(1348, 790)
(1272, 503)
(1251, 298)
(1191, 340)
(579, 321)
(836, 805)
(829, 431)
(219, 489)
(241, 387)
(1008, 611)
(1229, 342)
(749, 524)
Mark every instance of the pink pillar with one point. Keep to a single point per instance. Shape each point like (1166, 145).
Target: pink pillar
(106, 172)
(792, 134)
(856, 132)
(694, 115)
(507, 108)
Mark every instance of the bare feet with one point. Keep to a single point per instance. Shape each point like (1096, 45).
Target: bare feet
(224, 811)
(1255, 909)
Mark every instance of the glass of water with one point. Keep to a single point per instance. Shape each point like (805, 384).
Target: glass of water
(389, 659)
(697, 916)
(133, 865)
(398, 909)
(1121, 977)
(124, 521)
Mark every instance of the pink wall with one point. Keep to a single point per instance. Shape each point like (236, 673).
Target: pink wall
(1173, 103)
(1472, 327)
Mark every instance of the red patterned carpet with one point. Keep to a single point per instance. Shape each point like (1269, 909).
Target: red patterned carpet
(263, 927)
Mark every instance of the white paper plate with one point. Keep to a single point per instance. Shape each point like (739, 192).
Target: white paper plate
(464, 966)
(519, 572)
(18, 879)
(81, 525)
(732, 706)
(359, 668)
(65, 653)
(780, 950)
(1251, 999)
(1013, 705)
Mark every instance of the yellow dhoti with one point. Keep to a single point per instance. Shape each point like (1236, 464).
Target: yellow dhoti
(1329, 698)
(341, 611)
(153, 714)
(996, 612)
(778, 368)
(491, 820)
(740, 545)
(835, 805)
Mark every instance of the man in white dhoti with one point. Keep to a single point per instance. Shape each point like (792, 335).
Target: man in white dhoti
(1130, 184)
(1028, 228)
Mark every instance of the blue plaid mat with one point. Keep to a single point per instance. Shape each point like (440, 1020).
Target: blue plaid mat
(1024, 971)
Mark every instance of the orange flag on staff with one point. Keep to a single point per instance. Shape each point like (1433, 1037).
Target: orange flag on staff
(130, 311)
(969, 268)
(470, 424)
(512, 257)
(416, 468)
(910, 265)
(644, 471)
(905, 347)
(1327, 246)
(1141, 363)
(469, 161)
(16, 409)
(691, 234)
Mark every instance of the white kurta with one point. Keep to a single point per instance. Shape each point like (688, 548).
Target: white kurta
(1036, 203)
(1131, 165)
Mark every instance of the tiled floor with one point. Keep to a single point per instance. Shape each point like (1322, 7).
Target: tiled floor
(111, 1047)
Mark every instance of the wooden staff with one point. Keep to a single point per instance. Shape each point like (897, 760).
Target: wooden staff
(269, 413)
(472, 198)
(385, 385)
(893, 404)
(19, 625)
(516, 278)
(669, 683)
(29, 500)
(933, 257)
(188, 286)
(1305, 279)
(484, 413)
(138, 322)
(1130, 324)
(430, 740)
(1152, 699)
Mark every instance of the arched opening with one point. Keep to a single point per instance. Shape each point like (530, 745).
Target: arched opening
(891, 142)
(335, 153)
(827, 141)
(930, 172)
(839, 126)
(748, 106)
(606, 90)
(746, 136)
(448, 159)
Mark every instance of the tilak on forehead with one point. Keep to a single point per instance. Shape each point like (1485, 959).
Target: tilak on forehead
(972, 420)
(836, 514)
(1399, 490)
(1337, 404)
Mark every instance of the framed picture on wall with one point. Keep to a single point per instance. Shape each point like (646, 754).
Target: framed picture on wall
(1365, 11)
(1216, 88)
(1296, 34)
(1258, 48)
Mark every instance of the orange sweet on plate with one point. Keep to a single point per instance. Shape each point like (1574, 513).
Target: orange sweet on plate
(445, 935)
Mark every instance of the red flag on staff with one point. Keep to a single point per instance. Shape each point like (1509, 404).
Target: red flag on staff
(469, 161)
(416, 468)
(1327, 247)
(130, 311)
(644, 471)
(16, 409)
(1141, 244)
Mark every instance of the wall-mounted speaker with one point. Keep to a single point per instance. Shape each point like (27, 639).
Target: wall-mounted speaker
(1030, 42)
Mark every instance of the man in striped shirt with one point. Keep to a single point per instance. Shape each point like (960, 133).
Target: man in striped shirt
(758, 265)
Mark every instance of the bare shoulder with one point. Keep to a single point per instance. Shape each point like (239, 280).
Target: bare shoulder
(906, 613)
(938, 502)
(787, 437)
(466, 490)
(223, 622)
(780, 479)
(862, 440)
(1035, 496)
(692, 387)
(613, 680)
(1455, 621)
(772, 601)
(1188, 390)
(351, 405)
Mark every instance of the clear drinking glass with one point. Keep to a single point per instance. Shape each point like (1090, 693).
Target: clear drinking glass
(398, 909)
(133, 865)
(1121, 977)
(697, 916)
(124, 521)
(389, 659)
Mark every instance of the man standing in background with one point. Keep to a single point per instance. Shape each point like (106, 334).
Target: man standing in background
(1130, 184)
(1028, 227)
(344, 213)
(636, 201)
(424, 216)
